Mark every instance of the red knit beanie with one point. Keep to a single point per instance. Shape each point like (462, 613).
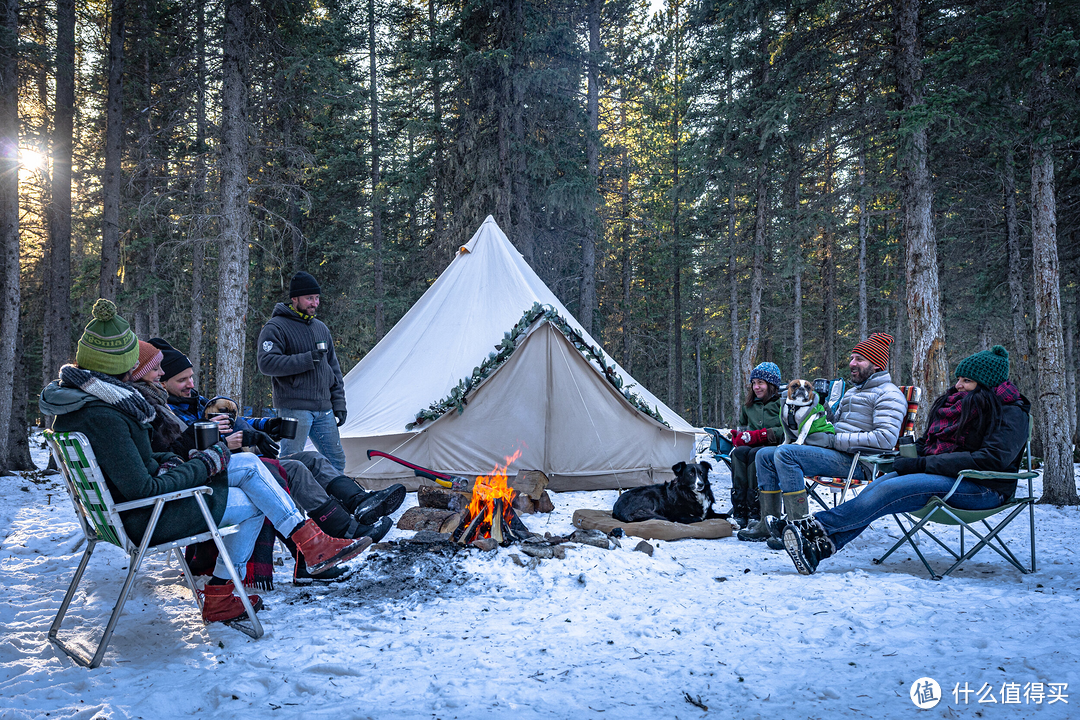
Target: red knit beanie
(875, 349)
(149, 356)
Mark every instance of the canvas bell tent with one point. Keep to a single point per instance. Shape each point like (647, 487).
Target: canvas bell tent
(490, 339)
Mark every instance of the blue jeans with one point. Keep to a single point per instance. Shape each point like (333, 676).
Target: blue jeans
(322, 427)
(785, 467)
(896, 494)
(254, 494)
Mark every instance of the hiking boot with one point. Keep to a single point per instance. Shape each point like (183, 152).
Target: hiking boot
(807, 542)
(301, 576)
(221, 605)
(322, 552)
(770, 505)
(796, 507)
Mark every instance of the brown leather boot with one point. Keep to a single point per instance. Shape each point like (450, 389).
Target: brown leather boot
(221, 605)
(322, 552)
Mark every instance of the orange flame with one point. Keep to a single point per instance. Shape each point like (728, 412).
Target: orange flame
(489, 488)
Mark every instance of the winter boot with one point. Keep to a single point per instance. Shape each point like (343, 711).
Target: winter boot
(335, 521)
(301, 576)
(740, 512)
(220, 605)
(796, 507)
(753, 502)
(807, 542)
(322, 552)
(364, 506)
(770, 505)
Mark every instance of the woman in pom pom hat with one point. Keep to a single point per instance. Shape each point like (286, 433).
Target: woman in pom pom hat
(759, 425)
(981, 423)
(95, 397)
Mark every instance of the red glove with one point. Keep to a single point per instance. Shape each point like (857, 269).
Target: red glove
(751, 438)
(737, 438)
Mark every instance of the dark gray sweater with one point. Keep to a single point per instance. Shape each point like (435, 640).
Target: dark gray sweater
(284, 353)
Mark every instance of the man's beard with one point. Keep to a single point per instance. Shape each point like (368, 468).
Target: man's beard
(857, 375)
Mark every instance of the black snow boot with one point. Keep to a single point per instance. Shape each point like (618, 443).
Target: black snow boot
(366, 507)
(807, 542)
(769, 504)
(740, 512)
(333, 520)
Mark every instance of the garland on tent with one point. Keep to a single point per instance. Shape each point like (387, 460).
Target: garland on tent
(456, 400)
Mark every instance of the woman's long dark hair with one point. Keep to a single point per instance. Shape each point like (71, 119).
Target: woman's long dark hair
(751, 397)
(979, 412)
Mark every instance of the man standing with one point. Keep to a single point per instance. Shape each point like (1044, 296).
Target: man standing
(867, 419)
(297, 352)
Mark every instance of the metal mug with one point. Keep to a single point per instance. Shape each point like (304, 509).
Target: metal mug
(206, 434)
(321, 346)
(907, 446)
(289, 426)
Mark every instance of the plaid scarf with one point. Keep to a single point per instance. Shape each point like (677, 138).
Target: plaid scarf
(109, 390)
(943, 435)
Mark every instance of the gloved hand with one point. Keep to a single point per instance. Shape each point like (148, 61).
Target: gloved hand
(340, 416)
(215, 458)
(739, 437)
(317, 356)
(263, 442)
(757, 437)
(821, 439)
(272, 427)
(907, 466)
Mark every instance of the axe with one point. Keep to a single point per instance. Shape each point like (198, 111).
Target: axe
(455, 482)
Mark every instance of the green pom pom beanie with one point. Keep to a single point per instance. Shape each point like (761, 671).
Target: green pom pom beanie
(989, 367)
(107, 344)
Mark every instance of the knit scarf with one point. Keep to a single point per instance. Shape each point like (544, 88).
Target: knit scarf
(109, 390)
(303, 316)
(167, 426)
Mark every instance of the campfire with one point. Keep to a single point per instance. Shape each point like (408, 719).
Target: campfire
(491, 513)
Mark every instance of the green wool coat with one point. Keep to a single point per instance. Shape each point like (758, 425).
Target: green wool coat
(122, 446)
(764, 414)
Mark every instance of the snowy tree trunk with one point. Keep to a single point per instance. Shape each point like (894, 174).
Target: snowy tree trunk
(235, 213)
(929, 365)
(9, 214)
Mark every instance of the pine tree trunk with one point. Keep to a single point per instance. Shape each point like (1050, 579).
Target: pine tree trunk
(738, 374)
(1059, 482)
(828, 275)
(376, 181)
(110, 186)
(439, 194)
(9, 217)
(929, 366)
(624, 229)
(198, 193)
(757, 284)
(235, 212)
(587, 292)
(1020, 352)
(864, 223)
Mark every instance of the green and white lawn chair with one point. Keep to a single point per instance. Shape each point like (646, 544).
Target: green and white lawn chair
(99, 517)
(939, 511)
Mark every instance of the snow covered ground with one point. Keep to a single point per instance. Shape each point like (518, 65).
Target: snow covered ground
(703, 628)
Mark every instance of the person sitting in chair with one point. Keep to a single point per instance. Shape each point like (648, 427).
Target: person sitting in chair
(868, 418)
(94, 396)
(981, 423)
(759, 426)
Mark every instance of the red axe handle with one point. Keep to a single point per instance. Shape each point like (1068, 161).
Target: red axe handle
(420, 471)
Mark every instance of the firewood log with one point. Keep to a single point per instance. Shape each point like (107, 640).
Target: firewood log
(530, 482)
(442, 498)
(430, 519)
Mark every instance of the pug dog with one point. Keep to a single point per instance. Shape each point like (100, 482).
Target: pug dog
(802, 413)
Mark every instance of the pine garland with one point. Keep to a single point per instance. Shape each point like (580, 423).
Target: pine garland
(458, 397)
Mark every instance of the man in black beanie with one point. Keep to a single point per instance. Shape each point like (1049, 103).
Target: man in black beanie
(297, 352)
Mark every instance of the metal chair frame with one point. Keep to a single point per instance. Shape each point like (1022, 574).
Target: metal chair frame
(99, 517)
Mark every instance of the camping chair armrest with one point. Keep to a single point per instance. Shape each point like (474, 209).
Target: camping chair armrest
(990, 475)
(879, 458)
(955, 485)
(167, 497)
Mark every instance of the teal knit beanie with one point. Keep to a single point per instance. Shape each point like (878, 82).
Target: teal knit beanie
(989, 367)
(107, 344)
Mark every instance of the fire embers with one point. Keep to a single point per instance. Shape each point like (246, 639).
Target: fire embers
(491, 511)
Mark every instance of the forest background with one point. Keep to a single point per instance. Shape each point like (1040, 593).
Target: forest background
(705, 184)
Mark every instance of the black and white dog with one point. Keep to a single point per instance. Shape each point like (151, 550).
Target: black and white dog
(687, 498)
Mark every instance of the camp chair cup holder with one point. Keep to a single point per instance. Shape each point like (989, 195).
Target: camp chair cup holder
(99, 518)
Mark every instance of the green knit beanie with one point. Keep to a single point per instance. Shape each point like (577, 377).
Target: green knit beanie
(989, 367)
(107, 344)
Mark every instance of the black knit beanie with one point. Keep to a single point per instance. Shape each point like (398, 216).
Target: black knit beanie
(303, 284)
(173, 362)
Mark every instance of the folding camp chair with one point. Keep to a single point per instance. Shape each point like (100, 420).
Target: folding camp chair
(99, 517)
(719, 446)
(939, 511)
(874, 464)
